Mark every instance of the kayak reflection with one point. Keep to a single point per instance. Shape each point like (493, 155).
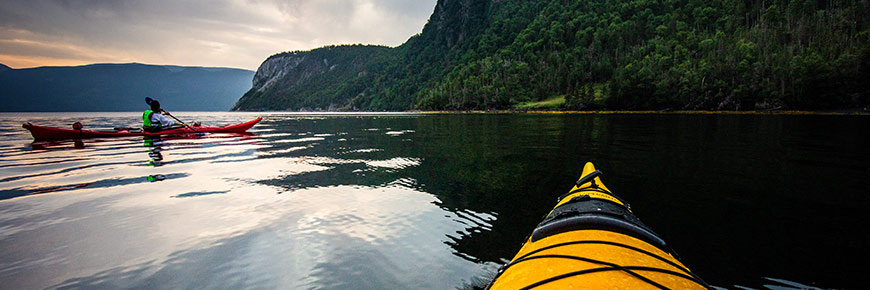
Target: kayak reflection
(58, 145)
(157, 146)
(155, 151)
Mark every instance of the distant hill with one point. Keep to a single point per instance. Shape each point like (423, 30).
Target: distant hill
(121, 87)
(3, 67)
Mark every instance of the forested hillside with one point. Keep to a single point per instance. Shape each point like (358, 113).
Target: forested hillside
(675, 54)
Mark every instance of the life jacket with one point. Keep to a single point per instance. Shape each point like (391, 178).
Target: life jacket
(146, 120)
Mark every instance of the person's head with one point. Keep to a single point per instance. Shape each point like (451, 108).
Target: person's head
(155, 106)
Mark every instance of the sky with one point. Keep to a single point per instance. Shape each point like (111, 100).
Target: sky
(215, 33)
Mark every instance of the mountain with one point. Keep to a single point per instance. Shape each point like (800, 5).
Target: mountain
(646, 54)
(3, 67)
(385, 79)
(121, 87)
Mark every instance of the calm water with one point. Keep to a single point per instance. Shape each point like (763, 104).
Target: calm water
(405, 201)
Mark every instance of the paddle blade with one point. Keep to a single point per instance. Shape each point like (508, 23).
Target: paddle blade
(148, 100)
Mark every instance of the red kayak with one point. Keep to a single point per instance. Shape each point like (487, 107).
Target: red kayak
(49, 133)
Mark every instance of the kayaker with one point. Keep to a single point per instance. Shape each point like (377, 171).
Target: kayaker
(153, 120)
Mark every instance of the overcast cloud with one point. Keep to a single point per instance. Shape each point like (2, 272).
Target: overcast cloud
(228, 33)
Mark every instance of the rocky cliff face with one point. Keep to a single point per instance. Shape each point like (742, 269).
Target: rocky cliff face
(307, 80)
(275, 68)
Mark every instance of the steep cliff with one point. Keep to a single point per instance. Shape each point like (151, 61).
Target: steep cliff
(361, 77)
(322, 79)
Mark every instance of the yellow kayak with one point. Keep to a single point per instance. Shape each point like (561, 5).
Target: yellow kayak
(592, 240)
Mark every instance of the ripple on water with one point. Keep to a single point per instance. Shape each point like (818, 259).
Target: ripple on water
(395, 163)
(397, 133)
(299, 140)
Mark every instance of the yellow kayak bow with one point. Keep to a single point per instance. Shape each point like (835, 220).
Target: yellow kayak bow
(592, 240)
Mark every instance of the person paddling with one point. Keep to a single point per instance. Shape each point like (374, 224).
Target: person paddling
(153, 120)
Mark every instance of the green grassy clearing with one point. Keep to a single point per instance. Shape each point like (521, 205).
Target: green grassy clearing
(551, 103)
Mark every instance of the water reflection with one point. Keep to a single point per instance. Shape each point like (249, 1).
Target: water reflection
(59, 166)
(409, 201)
(295, 205)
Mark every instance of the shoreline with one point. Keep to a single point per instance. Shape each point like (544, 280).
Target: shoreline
(854, 112)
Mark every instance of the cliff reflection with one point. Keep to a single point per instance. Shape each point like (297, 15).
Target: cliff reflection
(470, 165)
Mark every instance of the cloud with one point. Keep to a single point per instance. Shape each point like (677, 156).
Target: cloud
(233, 33)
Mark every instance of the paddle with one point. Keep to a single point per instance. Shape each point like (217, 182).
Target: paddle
(183, 123)
(148, 100)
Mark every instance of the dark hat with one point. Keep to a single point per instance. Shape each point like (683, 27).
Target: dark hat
(155, 106)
